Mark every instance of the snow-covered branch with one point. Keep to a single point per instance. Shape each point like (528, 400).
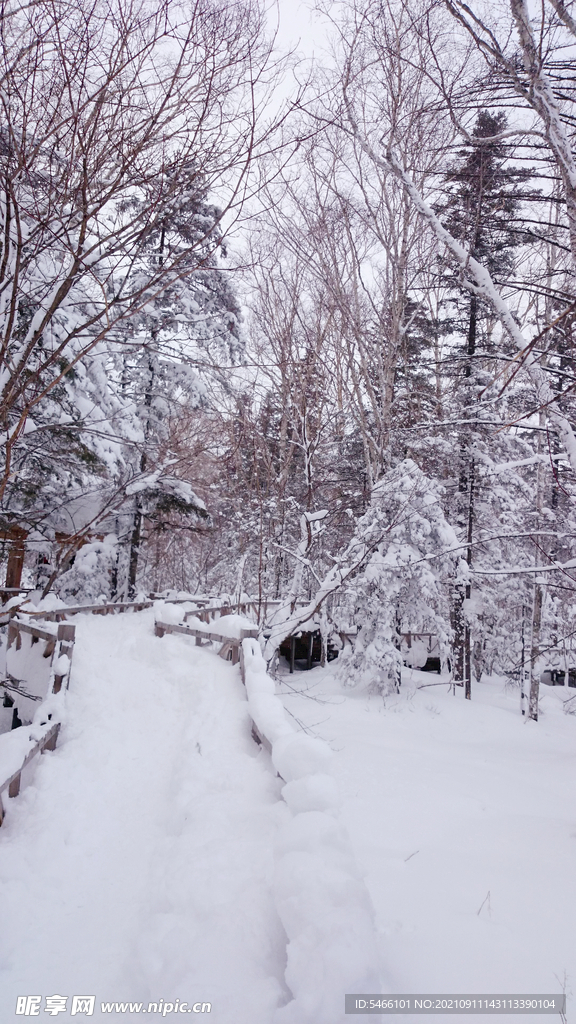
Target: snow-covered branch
(475, 276)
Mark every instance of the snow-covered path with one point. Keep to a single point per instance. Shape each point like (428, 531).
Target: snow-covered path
(137, 865)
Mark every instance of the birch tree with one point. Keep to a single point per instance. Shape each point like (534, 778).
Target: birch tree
(386, 157)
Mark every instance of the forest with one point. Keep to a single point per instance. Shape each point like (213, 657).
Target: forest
(297, 329)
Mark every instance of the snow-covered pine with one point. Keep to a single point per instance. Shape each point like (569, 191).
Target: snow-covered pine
(403, 587)
(174, 357)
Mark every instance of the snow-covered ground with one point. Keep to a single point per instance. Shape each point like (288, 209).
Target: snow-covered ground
(447, 801)
(138, 864)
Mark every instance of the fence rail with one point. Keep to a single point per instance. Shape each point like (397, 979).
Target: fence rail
(58, 643)
(231, 645)
(259, 607)
(59, 614)
(12, 781)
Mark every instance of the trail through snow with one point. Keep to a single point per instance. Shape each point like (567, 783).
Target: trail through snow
(137, 864)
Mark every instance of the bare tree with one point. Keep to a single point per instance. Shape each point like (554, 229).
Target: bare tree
(387, 157)
(109, 111)
(455, 72)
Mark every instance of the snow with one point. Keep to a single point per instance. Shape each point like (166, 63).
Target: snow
(319, 893)
(461, 817)
(27, 663)
(138, 863)
(314, 792)
(49, 603)
(13, 602)
(62, 665)
(171, 614)
(298, 755)
(15, 746)
(413, 843)
(225, 625)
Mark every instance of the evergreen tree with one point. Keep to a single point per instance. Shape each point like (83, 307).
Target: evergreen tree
(483, 196)
(183, 336)
(403, 587)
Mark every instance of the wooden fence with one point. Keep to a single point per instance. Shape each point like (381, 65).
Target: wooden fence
(59, 614)
(12, 783)
(57, 643)
(231, 646)
(259, 607)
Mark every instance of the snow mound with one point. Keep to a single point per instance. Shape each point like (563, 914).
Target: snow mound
(226, 625)
(172, 614)
(297, 755)
(317, 792)
(320, 896)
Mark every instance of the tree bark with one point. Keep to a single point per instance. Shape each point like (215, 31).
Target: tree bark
(535, 678)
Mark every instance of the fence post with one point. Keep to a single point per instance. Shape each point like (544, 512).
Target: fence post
(244, 635)
(14, 634)
(64, 646)
(14, 787)
(242, 665)
(51, 742)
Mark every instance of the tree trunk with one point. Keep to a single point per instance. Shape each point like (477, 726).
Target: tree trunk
(457, 617)
(525, 670)
(469, 534)
(136, 536)
(134, 552)
(535, 678)
(16, 553)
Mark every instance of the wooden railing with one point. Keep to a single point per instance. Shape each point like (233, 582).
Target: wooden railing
(59, 614)
(207, 612)
(231, 646)
(12, 782)
(259, 608)
(204, 610)
(57, 643)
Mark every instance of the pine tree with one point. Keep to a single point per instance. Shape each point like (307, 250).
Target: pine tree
(182, 337)
(403, 587)
(483, 196)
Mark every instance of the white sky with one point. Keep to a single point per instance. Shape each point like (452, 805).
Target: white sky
(299, 27)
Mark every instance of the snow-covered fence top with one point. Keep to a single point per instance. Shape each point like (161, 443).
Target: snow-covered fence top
(37, 661)
(231, 631)
(58, 614)
(17, 748)
(320, 896)
(207, 608)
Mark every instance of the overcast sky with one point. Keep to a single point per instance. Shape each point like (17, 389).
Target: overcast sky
(299, 27)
